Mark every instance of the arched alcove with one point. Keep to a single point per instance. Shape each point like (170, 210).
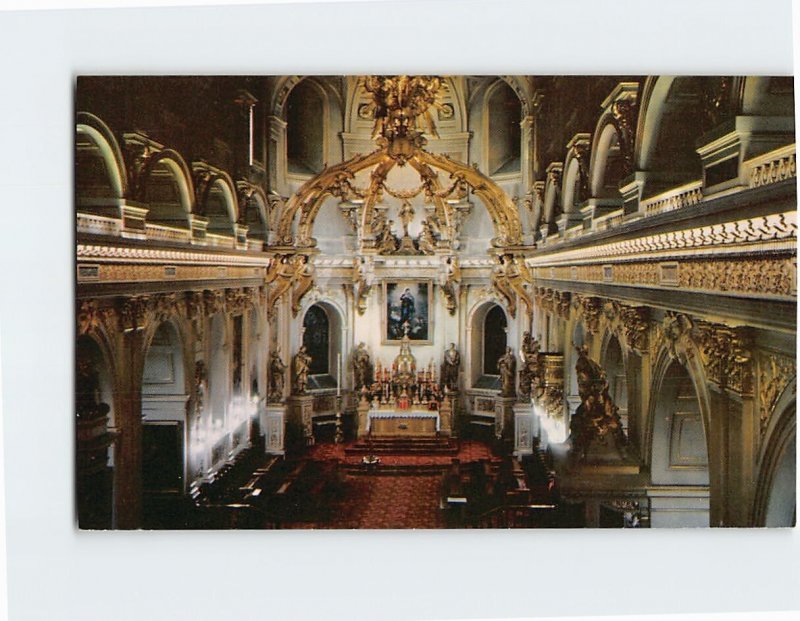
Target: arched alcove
(495, 326)
(219, 374)
(220, 208)
(679, 452)
(165, 394)
(95, 452)
(322, 336)
(166, 194)
(481, 360)
(316, 338)
(672, 120)
(504, 113)
(571, 194)
(768, 96)
(255, 217)
(608, 164)
(781, 507)
(578, 340)
(614, 366)
(305, 129)
(255, 358)
(776, 489)
(99, 169)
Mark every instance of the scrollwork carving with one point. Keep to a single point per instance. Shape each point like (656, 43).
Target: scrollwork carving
(775, 373)
(726, 355)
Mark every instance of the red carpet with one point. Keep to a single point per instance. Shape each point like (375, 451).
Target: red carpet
(374, 500)
(469, 451)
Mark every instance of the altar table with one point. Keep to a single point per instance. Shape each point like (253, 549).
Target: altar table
(403, 422)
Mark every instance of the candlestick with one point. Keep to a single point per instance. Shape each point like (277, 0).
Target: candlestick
(339, 375)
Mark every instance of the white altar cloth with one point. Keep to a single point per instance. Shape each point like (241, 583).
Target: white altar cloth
(402, 414)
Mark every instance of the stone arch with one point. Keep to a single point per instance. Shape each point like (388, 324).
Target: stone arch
(307, 128)
(552, 192)
(334, 180)
(614, 361)
(166, 390)
(219, 204)
(767, 96)
(606, 168)
(253, 211)
(475, 321)
(94, 139)
(504, 146)
(775, 496)
(570, 186)
(690, 361)
(336, 337)
(167, 163)
(219, 367)
(678, 446)
(669, 106)
(96, 384)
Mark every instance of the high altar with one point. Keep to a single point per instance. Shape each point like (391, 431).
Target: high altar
(403, 401)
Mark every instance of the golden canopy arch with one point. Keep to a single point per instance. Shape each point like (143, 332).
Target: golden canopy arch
(337, 181)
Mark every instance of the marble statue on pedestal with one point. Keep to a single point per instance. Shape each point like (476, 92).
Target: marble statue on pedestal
(450, 368)
(507, 365)
(302, 364)
(277, 377)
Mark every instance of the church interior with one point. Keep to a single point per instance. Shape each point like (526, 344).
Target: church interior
(435, 302)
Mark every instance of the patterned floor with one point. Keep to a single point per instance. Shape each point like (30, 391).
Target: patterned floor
(385, 501)
(469, 451)
(380, 500)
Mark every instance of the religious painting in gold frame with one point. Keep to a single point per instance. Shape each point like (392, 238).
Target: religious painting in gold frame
(407, 304)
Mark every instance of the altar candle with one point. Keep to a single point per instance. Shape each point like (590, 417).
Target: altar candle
(339, 375)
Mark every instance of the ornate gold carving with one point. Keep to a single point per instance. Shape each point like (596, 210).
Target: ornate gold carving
(304, 279)
(163, 306)
(769, 275)
(214, 301)
(400, 104)
(502, 287)
(597, 417)
(624, 113)
(133, 313)
(451, 283)
(674, 333)
(775, 373)
(400, 101)
(637, 273)
(636, 326)
(362, 283)
(726, 354)
(88, 316)
(589, 310)
(550, 391)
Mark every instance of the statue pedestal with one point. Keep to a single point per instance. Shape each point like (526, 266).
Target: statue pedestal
(446, 410)
(523, 429)
(503, 416)
(301, 409)
(272, 420)
(362, 412)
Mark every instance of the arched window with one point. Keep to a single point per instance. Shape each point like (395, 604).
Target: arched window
(494, 339)
(305, 129)
(505, 114)
(316, 338)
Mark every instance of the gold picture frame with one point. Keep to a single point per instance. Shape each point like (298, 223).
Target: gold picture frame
(407, 302)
